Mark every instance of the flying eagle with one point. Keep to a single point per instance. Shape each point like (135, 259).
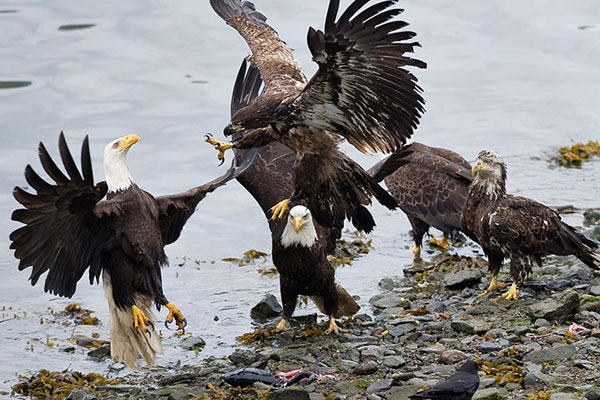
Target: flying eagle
(69, 228)
(299, 245)
(431, 185)
(360, 93)
(514, 227)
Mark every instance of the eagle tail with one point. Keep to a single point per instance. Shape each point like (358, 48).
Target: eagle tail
(127, 342)
(586, 251)
(347, 306)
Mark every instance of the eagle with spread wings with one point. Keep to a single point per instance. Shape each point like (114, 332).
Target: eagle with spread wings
(361, 92)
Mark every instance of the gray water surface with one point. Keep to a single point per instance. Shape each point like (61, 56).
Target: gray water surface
(520, 78)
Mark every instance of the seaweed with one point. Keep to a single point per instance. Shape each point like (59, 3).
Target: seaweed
(249, 257)
(259, 336)
(575, 155)
(504, 373)
(58, 385)
(347, 251)
(231, 393)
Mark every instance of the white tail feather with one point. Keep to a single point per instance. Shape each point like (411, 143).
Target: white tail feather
(126, 342)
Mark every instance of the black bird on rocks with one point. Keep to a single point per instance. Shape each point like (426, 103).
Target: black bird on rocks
(460, 386)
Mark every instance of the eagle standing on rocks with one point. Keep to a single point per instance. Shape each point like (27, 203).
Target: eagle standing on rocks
(299, 245)
(431, 185)
(360, 93)
(514, 227)
(69, 228)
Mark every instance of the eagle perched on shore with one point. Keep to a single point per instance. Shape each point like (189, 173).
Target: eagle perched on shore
(431, 185)
(299, 244)
(69, 229)
(361, 93)
(515, 227)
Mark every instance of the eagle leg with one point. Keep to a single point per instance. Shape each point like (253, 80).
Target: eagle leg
(140, 320)
(512, 293)
(280, 209)
(442, 243)
(494, 285)
(416, 250)
(175, 312)
(281, 326)
(333, 328)
(220, 146)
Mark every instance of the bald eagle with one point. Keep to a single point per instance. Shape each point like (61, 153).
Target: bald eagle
(514, 227)
(300, 255)
(360, 93)
(69, 228)
(431, 185)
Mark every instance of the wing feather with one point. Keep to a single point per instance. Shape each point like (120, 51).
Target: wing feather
(361, 90)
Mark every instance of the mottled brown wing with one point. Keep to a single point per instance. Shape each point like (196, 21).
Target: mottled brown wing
(362, 90)
(269, 53)
(66, 225)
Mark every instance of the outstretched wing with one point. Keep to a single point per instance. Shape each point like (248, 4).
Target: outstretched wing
(269, 53)
(66, 224)
(361, 90)
(175, 210)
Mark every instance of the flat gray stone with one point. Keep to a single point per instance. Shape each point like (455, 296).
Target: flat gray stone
(489, 347)
(366, 368)
(192, 343)
(490, 394)
(557, 308)
(402, 329)
(558, 353)
(593, 394)
(462, 279)
(595, 290)
(394, 361)
(452, 356)
(379, 386)
(289, 394)
(267, 308)
(463, 327)
(390, 299)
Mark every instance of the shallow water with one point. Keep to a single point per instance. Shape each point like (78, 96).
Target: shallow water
(518, 78)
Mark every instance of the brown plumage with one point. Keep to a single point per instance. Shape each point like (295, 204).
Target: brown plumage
(69, 229)
(360, 93)
(515, 227)
(431, 185)
(302, 270)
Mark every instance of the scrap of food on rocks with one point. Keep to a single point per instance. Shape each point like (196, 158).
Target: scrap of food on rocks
(424, 272)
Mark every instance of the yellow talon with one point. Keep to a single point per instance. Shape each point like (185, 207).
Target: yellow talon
(512, 293)
(139, 318)
(494, 285)
(416, 250)
(175, 312)
(442, 243)
(221, 146)
(281, 325)
(333, 328)
(280, 209)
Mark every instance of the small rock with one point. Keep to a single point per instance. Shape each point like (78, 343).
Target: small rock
(82, 394)
(403, 377)
(434, 349)
(483, 327)
(564, 396)
(242, 357)
(373, 396)
(192, 343)
(386, 284)
(379, 386)
(100, 352)
(462, 279)
(486, 382)
(584, 364)
(266, 309)
(462, 327)
(366, 368)
(371, 353)
(595, 290)
(593, 394)
(490, 394)
(390, 299)
(452, 356)
(489, 347)
(551, 353)
(394, 361)
(85, 335)
(541, 323)
(557, 308)
(402, 329)
(289, 394)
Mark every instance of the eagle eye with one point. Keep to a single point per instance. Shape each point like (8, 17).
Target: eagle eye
(116, 145)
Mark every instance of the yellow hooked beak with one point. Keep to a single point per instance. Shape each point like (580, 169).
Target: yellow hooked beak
(128, 141)
(298, 222)
(479, 166)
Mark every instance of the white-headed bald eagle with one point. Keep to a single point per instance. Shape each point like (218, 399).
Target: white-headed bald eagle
(69, 229)
(514, 227)
(360, 93)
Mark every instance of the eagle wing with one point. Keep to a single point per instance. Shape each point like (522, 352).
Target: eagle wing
(67, 227)
(361, 90)
(269, 53)
(428, 183)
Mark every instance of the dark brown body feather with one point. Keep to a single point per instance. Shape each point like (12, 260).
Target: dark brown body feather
(270, 179)
(361, 93)
(431, 185)
(519, 228)
(69, 228)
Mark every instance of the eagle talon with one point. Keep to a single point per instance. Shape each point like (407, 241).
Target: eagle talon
(280, 327)
(175, 313)
(442, 243)
(334, 328)
(280, 209)
(220, 146)
(416, 250)
(494, 285)
(140, 320)
(512, 293)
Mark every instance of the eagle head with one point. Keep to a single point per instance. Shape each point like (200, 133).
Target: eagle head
(263, 111)
(116, 170)
(299, 229)
(490, 171)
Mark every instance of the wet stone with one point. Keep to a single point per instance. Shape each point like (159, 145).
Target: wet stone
(192, 343)
(403, 377)
(595, 290)
(289, 394)
(434, 349)
(489, 347)
(452, 356)
(82, 394)
(557, 308)
(490, 394)
(242, 357)
(551, 353)
(394, 361)
(390, 299)
(266, 309)
(462, 279)
(593, 394)
(463, 327)
(379, 386)
(541, 322)
(85, 335)
(402, 329)
(366, 368)
(100, 352)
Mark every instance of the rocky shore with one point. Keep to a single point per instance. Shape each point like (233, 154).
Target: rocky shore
(419, 329)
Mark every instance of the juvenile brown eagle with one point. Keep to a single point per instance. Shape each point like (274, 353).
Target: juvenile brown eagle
(514, 227)
(431, 185)
(69, 228)
(360, 93)
(302, 261)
